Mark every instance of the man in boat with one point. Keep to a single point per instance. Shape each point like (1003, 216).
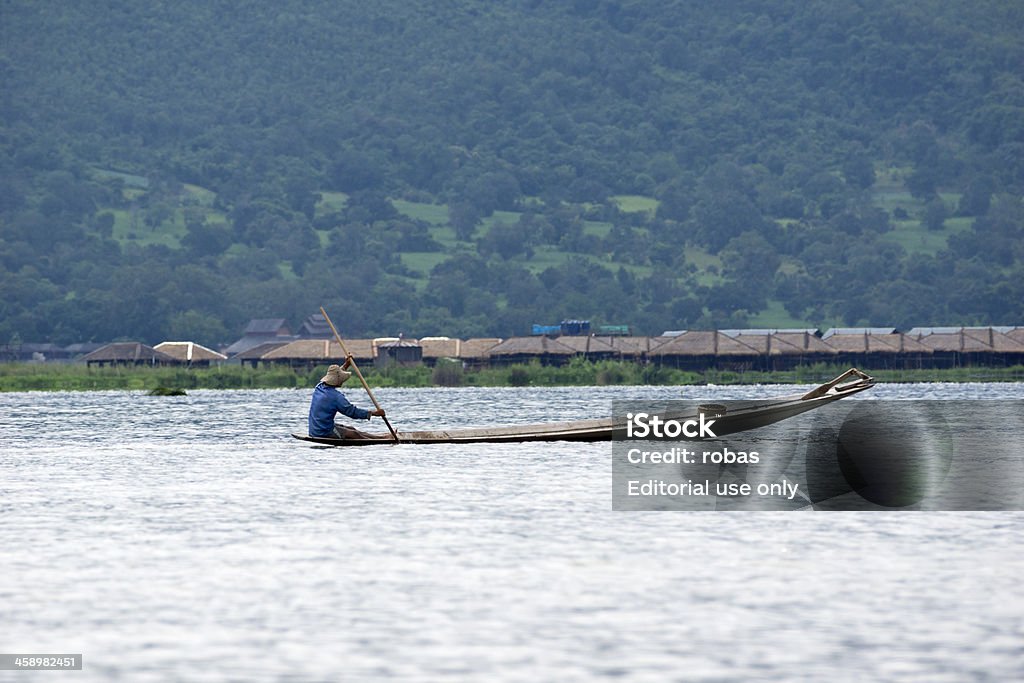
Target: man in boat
(328, 402)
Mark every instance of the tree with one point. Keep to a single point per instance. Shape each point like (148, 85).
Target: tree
(355, 170)
(464, 218)
(301, 195)
(750, 257)
(205, 239)
(719, 217)
(935, 214)
(922, 182)
(471, 267)
(191, 325)
(859, 170)
(104, 224)
(675, 200)
(368, 206)
(977, 196)
(503, 239)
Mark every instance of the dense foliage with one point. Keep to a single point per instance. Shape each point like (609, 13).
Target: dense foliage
(469, 167)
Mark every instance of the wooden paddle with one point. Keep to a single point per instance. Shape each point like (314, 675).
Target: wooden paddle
(358, 374)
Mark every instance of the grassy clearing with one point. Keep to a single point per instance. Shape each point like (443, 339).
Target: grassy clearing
(199, 195)
(915, 238)
(893, 199)
(217, 218)
(286, 270)
(130, 226)
(423, 261)
(544, 257)
(633, 203)
(701, 258)
(891, 194)
(790, 265)
(331, 202)
(127, 179)
(597, 228)
(446, 237)
(435, 214)
(124, 224)
(505, 217)
(776, 316)
(709, 266)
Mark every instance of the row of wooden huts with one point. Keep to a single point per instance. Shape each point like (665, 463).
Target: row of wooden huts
(187, 354)
(752, 349)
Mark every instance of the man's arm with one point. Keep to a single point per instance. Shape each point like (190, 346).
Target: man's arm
(379, 412)
(346, 408)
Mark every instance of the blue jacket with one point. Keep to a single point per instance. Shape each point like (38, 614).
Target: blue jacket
(327, 402)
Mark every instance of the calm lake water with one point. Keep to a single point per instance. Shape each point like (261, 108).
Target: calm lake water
(192, 538)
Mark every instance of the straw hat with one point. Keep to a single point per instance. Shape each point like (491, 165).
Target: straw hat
(335, 376)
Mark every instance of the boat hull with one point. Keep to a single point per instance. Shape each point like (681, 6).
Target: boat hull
(746, 416)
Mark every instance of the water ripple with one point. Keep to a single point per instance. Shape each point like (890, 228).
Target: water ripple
(192, 539)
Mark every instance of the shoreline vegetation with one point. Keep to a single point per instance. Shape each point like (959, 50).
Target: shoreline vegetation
(71, 377)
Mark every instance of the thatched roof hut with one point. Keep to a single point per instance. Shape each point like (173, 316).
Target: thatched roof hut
(1001, 342)
(629, 347)
(474, 351)
(688, 343)
(524, 349)
(655, 342)
(127, 353)
(726, 346)
(787, 342)
(700, 349)
(190, 353)
(786, 349)
(955, 342)
(313, 352)
(873, 347)
(591, 348)
(956, 346)
(436, 348)
(968, 339)
(404, 352)
(254, 355)
(876, 343)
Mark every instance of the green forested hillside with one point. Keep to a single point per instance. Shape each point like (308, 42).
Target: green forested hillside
(172, 169)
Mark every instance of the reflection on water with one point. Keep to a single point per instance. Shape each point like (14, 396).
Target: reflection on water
(192, 539)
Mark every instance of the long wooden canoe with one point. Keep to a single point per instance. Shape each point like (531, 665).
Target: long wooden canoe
(736, 417)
